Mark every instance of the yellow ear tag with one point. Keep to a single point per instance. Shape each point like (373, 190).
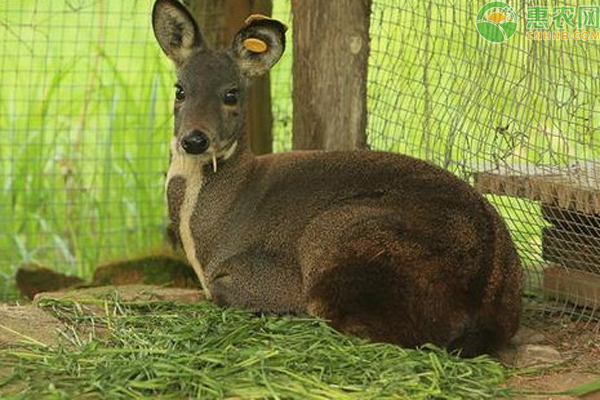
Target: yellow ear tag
(255, 45)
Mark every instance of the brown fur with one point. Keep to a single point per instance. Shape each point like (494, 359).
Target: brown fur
(383, 245)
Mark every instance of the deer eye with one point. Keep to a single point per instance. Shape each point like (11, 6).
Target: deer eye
(179, 93)
(231, 97)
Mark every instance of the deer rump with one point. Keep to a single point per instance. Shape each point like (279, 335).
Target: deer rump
(384, 246)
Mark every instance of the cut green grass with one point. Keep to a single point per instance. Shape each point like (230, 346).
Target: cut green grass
(585, 389)
(167, 350)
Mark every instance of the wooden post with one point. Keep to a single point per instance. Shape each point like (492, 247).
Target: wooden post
(219, 21)
(331, 49)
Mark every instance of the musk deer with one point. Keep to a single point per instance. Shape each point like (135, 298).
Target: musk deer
(384, 246)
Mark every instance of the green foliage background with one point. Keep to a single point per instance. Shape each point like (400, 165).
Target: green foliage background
(85, 106)
(85, 118)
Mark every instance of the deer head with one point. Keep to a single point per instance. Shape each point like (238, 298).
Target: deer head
(211, 85)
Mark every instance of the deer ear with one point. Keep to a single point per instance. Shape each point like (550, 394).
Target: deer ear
(259, 45)
(176, 30)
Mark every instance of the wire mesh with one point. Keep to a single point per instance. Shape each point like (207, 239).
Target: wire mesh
(281, 83)
(85, 116)
(518, 119)
(85, 113)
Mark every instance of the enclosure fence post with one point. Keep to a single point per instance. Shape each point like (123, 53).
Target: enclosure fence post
(331, 49)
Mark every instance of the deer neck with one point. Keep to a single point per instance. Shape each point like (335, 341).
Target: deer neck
(189, 178)
(233, 163)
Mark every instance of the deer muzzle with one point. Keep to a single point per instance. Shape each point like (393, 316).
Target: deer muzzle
(195, 142)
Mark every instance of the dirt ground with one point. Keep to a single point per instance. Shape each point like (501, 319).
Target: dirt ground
(27, 322)
(576, 361)
(550, 353)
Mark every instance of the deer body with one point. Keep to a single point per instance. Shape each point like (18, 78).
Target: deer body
(382, 245)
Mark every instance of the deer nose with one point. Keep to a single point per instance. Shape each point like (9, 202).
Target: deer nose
(195, 142)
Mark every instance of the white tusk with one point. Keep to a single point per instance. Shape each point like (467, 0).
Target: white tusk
(214, 159)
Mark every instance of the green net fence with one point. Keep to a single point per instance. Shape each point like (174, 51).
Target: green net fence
(519, 119)
(85, 115)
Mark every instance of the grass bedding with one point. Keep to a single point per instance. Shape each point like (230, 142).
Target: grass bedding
(174, 351)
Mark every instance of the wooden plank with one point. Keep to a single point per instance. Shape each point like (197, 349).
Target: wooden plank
(331, 48)
(576, 188)
(577, 287)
